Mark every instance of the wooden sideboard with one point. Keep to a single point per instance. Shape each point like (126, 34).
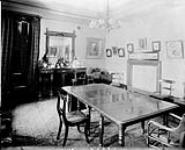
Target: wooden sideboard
(52, 79)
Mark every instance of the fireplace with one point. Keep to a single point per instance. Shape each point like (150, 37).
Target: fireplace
(143, 75)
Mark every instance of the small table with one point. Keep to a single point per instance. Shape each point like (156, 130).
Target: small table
(118, 105)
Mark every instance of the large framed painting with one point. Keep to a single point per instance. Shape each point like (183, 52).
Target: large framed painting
(175, 49)
(95, 48)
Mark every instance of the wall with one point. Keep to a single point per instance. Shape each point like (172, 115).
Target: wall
(164, 25)
(160, 24)
(54, 21)
(82, 32)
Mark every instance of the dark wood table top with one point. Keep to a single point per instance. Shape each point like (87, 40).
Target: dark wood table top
(118, 104)
(179, 101)
(172, 99)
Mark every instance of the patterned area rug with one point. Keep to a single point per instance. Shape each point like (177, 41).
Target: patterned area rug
(37, 125)
(134, 138)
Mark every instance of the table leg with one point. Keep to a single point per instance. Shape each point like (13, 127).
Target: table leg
(143, 126)
(89, 116)
(40, 85)
(122, 135)
(78, 104)
(51, 85)
(101, 130)
(165, 119)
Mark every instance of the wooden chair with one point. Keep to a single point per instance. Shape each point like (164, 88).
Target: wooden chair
(162, 136)
(70, 119)
(166, 86)
(81, 105)
(80, 80)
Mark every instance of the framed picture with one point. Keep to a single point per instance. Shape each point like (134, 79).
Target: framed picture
(175, 49)
(142, 43)
(108, 52)
(53, 51)
(130, 47)
(94, 48)
(156, 46)
(114, 50)
(121, 52)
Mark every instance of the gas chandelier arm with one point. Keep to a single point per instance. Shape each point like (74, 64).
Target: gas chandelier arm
(106, 23)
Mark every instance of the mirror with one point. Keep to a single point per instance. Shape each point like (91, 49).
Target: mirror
(60, 45)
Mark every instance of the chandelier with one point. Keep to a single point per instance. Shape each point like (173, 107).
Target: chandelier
(106, 23)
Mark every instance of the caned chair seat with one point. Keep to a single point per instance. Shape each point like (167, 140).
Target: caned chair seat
(75, 118)
(164, 136)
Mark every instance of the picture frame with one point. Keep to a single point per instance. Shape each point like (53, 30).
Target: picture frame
(53, 51)
(121, 52)
(130, 47)
(108, 52)
(115, 50)
(94, 48)
(156, 46)
(175, 49)
(142, 43)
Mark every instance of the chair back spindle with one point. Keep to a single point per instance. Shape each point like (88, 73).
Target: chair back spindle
(70, 119)
(61, 106)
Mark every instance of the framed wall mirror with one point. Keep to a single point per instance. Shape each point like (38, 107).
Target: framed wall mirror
(60, 45)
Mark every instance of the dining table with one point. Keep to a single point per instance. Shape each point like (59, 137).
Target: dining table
(121, 106)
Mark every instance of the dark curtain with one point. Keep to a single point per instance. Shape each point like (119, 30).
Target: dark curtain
(33, 69)
(8, 24)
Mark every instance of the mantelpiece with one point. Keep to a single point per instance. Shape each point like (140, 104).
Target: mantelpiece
(143, 75)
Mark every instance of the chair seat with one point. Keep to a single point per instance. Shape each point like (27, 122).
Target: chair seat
(76, 116)
(166, 136)
(164, 139)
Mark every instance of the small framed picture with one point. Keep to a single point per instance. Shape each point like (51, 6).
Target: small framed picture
(53, 51)
(156, 46)
(114, 50)
(130, 47)
(121, 52)
(142, 43)
(175, 49)
(108, 52)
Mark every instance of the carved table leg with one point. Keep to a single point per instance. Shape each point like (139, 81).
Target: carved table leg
(143, 126)
(165, 119)
(121, 135)
(89, 116)
(40, 85)
(51, 85)
(101, 130)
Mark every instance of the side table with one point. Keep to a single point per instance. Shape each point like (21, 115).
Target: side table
(46, 75)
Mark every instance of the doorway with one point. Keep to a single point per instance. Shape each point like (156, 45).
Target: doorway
(20, 49)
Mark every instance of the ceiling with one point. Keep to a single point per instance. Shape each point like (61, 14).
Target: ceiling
(88, 9)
